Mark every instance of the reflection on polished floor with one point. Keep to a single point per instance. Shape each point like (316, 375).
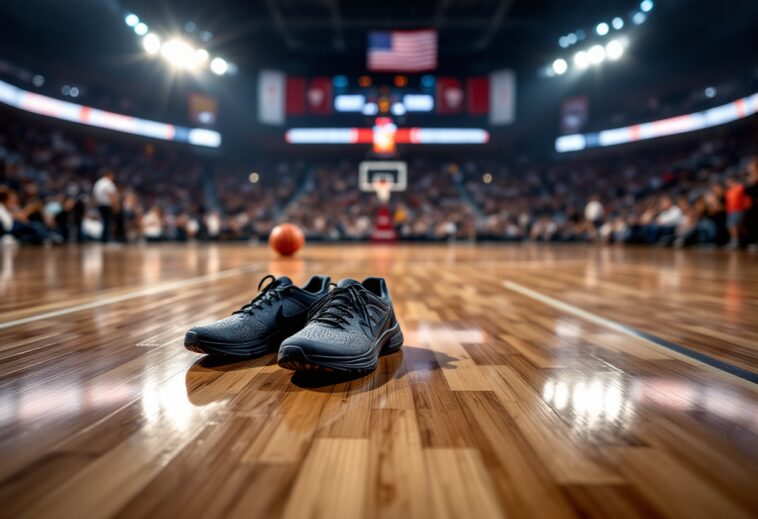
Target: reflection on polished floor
(536, 381)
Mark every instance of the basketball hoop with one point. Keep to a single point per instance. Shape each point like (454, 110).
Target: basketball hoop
(382, 177)
(383, 189)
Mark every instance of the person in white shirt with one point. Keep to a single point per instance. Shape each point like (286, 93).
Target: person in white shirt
(670, 216)
(6, 216)
(594, 211)
(152, 225)
(105, 194)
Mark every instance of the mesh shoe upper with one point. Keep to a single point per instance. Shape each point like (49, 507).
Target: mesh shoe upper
(279, 304)
(348, 321)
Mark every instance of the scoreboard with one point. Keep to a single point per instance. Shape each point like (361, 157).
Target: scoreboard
(389, 95)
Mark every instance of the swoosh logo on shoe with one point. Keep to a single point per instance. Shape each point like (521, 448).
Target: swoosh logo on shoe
(281, 318)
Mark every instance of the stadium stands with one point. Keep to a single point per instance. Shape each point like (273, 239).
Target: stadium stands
(669, 197)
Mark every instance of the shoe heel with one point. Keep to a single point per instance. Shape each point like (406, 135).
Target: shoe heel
(394, 343)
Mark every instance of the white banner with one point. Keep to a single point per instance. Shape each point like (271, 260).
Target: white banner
(502, 97)
(271, 90)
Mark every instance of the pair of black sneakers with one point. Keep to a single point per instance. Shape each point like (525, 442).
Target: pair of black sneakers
(314, 327)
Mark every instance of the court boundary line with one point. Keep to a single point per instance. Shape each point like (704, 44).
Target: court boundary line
(143, 292)
(631, 331)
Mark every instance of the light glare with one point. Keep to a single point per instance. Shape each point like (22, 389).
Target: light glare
(596, 54)
(560, 66)
(179, 54)
(618, 23)
(131, 19)
(219, 66)
(151, 43)
(140, 29)
(201, 56)
(614, 50)
(581, 59)
(602, 29)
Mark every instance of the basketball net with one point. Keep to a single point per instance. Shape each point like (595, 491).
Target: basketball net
(383, 189)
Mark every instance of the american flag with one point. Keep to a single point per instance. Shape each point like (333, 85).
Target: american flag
(402, 51)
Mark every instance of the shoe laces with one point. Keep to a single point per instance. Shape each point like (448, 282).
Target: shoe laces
(266, 296)
(336, 308)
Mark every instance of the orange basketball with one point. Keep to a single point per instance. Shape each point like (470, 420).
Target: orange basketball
(286, 239)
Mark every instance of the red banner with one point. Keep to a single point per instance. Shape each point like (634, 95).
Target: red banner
(318, 97)
(478, 95)
(295, 96)
(449, 95)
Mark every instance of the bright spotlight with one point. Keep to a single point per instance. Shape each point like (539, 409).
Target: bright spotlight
(639, 18)
(618, 23)
(596, 54)
(140, 29)
(560, 66)
(487, 178)
(179, 54)
(254, 177)
(151, 43)
(614, 50)
(201, 56)
(581, 59)
(646, 6)
(131, 19)
(601, 29)
(398, 109)
(219, 66)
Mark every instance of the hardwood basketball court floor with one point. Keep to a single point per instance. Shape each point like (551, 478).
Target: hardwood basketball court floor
(535, 381)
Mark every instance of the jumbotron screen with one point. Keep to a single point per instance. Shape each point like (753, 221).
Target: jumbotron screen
(294, 100)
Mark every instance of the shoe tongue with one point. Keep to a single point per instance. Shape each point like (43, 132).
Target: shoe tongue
(283, 281)
(347, 282)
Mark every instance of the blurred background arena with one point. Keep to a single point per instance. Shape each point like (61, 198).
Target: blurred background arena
(562, 196)
(220, 125)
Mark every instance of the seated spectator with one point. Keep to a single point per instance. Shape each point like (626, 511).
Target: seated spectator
(152, 225)
(16, 222)
(668, 219)
(736, 204)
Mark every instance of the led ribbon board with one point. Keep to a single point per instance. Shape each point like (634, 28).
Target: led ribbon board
(50, 107)
(718, 115)
(401, 135)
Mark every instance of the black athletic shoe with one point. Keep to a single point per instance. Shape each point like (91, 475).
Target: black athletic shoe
(279, 310)
(346, 331)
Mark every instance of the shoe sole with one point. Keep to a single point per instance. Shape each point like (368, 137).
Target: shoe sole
(239, 350)
(294, 358)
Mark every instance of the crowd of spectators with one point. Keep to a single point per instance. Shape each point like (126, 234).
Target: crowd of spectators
(334, 208)
(705, 195)
(55, 188)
